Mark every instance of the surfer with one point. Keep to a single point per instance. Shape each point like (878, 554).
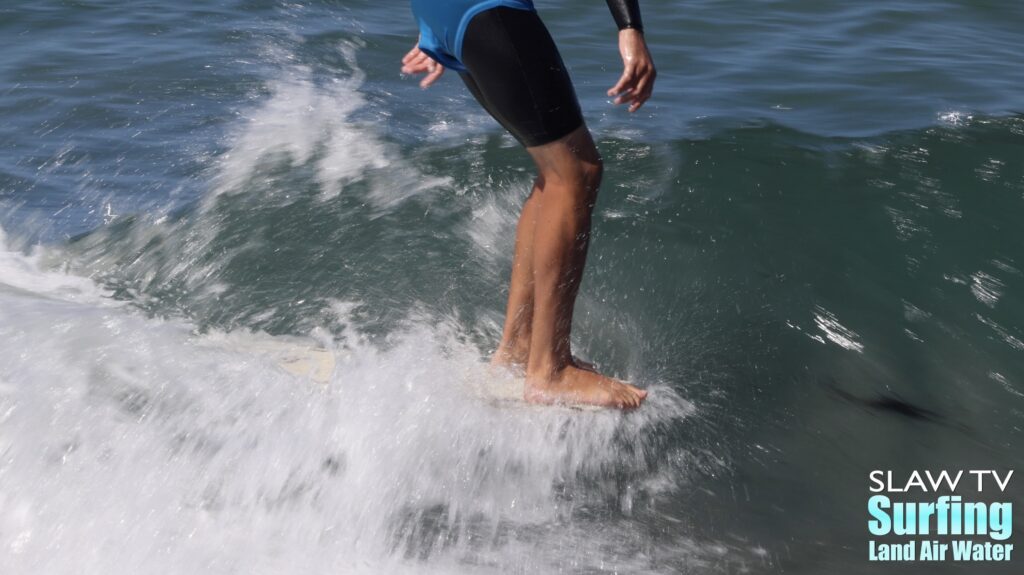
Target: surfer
(509, 62)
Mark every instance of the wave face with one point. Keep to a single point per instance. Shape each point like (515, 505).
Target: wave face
(814, 278)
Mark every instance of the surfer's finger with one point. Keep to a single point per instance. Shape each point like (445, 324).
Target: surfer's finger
(432, 76)
(625, 97)
(641, 93)
(411, 54)
(413, 59)
(418, 63)
(421, 59)
(624, 82)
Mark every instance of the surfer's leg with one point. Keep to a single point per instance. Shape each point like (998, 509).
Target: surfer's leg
(517, 74)
(514, 348)
(571, 170)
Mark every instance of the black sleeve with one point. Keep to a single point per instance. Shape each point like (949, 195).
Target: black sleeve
(626, 14)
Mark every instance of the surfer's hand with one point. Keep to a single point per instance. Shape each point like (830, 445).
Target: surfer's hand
(637, 81)
(417, 62)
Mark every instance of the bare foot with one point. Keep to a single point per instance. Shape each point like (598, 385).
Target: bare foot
(583, 364)
(575, 385)
(510, 358)
(517, 360)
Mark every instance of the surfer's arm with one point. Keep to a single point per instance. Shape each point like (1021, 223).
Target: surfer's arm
(626, 14)
(638, 74)
(417, 61)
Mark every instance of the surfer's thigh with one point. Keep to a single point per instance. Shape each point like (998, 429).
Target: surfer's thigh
(517, 75)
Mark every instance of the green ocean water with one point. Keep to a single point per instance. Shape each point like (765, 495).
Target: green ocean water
(807, 246)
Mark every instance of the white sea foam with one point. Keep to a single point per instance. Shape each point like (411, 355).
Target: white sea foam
(836, 332)
(134, 445)
(23, 273)
(309, 122)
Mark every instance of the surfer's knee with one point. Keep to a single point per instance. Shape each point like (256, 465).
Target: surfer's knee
(588, 172)
(538, 186)
(570, 166)
(576, 180)
(589, 166)
(592, 173)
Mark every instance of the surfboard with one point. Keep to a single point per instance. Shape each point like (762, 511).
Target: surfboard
(315, 363)
(303, 357)
(307, 358)
(494, 387)
(505, 391)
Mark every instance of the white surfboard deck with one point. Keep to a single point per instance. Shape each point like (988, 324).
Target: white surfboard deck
(505, 390)
(304, 357)
(308, 358)
(315, 363)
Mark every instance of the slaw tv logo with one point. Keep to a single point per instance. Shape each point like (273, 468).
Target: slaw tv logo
(940, 516)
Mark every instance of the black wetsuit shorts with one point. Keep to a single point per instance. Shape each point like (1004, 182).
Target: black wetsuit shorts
(514, 70)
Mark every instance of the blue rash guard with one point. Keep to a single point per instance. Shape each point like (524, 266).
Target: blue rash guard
(443, 25)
